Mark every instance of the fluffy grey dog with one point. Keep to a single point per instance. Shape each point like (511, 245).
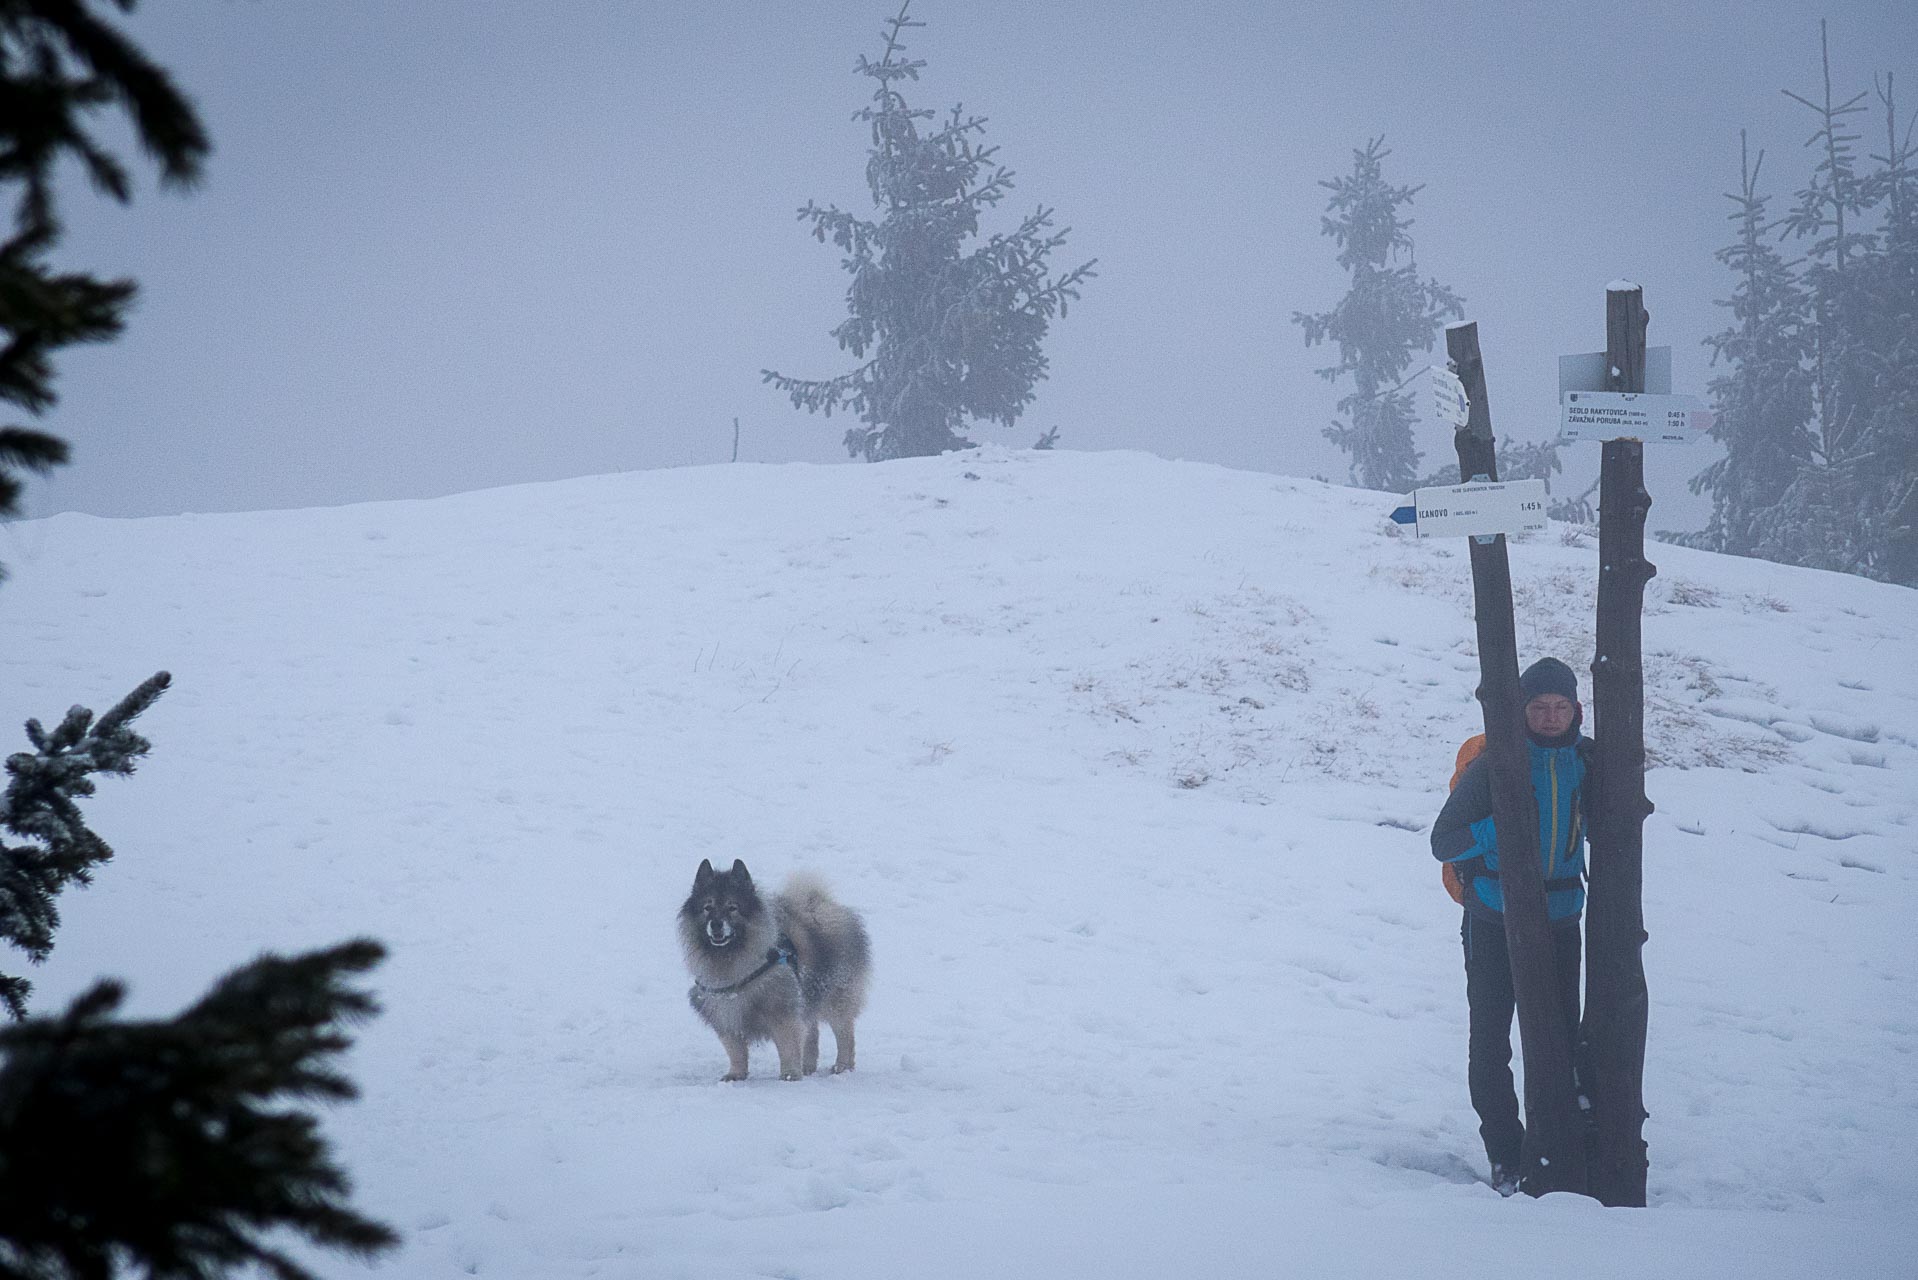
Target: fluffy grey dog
(773, 969)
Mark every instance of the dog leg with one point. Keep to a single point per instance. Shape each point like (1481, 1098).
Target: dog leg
(812, 1048)
(735, 1057)
(842, 1039)
(790, 1040)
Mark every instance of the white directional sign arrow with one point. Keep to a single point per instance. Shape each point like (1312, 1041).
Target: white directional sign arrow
(1481, 508)
(1612, 415)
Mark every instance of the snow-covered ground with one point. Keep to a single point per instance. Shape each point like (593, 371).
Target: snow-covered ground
(1127, 763)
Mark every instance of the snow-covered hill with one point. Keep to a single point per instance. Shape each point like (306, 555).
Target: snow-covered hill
(1127, 763)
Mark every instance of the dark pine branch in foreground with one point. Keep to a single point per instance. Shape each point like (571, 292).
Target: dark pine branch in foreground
(172, 1147)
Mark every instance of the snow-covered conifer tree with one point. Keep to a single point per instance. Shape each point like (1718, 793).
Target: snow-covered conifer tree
(1823, 519)
(1386, 315)
(955, 332)
(1888, 438)
(1855, 506)
(1831, 214)
(1764, 398)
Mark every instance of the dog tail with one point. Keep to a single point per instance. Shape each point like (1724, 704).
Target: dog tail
(808, 898)
(833, 940)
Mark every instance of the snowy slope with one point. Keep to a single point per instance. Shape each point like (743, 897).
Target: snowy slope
(1127, 763)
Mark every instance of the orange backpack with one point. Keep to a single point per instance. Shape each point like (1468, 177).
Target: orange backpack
(1448, 872)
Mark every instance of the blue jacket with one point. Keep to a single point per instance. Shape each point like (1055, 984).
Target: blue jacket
(1464, 831)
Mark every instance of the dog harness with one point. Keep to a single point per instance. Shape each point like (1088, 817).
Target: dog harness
(779, 953)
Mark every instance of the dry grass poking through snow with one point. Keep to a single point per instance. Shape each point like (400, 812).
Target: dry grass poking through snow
(1249, 689)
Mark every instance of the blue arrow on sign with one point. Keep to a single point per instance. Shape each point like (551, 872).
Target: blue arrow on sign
(1405, 515)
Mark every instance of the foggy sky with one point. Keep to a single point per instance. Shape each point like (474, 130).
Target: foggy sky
(449, 244)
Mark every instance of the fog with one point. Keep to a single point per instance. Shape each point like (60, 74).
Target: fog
(448, 245)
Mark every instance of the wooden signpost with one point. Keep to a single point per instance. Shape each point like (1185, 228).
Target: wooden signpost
(1616, 1001)
(1621, 413)
(1553, 1158)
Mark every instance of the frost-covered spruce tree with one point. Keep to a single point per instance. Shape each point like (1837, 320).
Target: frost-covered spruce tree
(58, 65)
(1764, 398)
(1831, 216)
(1855, 508)
(1387, 314)
(1888, 286)
(1825, 519)
(954, 332)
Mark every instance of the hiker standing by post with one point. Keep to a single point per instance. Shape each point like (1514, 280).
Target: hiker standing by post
(1464, 839)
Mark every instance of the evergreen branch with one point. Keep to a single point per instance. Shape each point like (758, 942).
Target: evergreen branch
(59, 64)
(1404, 382)
(39, 807)
(30, 450)
(44, 103)
(117, 747)
(168, 1145)
(22, 449)
(822, 395)
(1827, 109)
(1897, 154)
(900, 22)
(853, 234)
(41, 312)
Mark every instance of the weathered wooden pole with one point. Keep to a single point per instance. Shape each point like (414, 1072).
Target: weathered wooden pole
(1616, 1002)
(1553, 1158)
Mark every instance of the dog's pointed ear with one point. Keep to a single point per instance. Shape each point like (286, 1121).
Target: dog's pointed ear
(704, 873)
(739, 871)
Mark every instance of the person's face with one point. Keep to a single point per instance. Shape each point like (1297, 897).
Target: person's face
(1550, 715)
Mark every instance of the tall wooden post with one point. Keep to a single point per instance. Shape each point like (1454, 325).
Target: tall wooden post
(1553, 1158)
(1616, 1002)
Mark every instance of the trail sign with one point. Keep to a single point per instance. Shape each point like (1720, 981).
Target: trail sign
(1482, 508)
(1616, 415)
(1448, 397)
(1586, 372)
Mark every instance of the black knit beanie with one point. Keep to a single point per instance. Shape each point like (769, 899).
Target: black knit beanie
(1548, 675)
